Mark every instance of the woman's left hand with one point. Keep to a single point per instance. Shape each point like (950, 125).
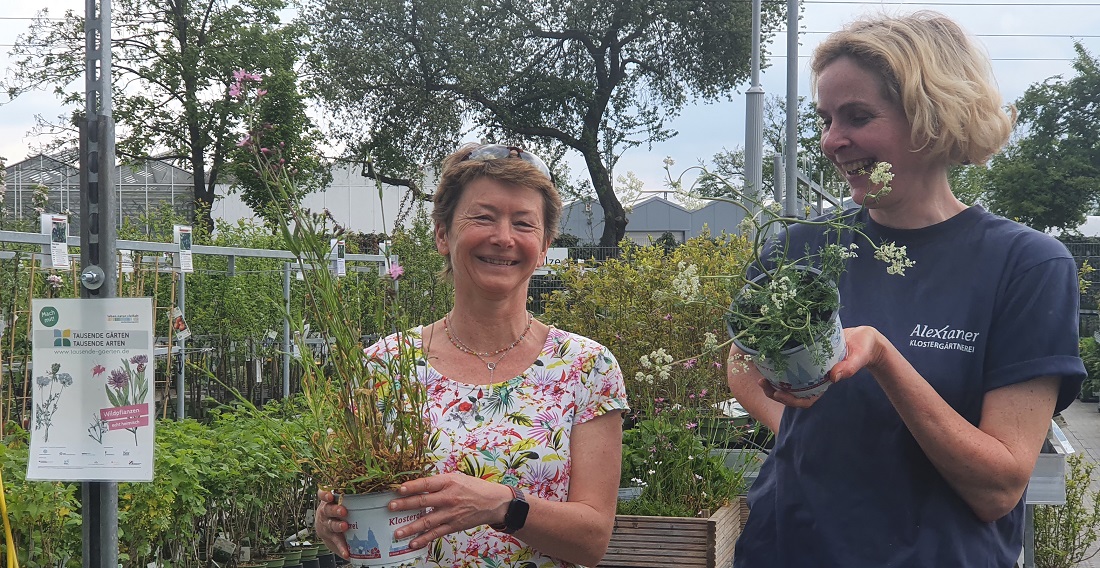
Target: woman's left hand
(457, 502)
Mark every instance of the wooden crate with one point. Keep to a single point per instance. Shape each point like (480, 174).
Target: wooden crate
(661, 542)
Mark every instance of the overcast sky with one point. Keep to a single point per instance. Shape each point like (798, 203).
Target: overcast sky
(1028, 42)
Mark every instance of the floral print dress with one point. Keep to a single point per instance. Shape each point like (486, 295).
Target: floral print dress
(517, 433)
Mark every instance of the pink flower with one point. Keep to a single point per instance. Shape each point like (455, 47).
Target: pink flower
(690, 425)
(261, 93)
(245, 142)
(235, 90)
(98, 370)
(690, 363)
(395, 271)
(668, 317)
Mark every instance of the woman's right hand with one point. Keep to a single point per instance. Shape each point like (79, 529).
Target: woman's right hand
(329, 523)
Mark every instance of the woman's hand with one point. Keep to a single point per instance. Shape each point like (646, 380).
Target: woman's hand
(864, 350)
(457, 502)
(329, 523)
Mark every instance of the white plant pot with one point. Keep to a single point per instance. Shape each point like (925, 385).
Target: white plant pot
(370, 533)
(805, 373)
(804, 376)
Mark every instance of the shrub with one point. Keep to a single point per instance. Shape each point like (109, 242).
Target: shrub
(1065, 533)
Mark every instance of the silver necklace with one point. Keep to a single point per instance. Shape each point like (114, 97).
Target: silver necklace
(503, 351)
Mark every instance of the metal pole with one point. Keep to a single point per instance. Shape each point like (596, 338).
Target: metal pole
(181, 411)
(791, 205)
(754, 119)
(98, 258)
(286, 330)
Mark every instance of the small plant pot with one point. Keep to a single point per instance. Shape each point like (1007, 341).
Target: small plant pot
(804, 368)
(370, 532)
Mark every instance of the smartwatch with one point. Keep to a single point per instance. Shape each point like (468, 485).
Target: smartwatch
(516, 516)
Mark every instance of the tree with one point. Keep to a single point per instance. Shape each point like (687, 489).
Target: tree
(407, 78)
(173, 62)
(1049, 177)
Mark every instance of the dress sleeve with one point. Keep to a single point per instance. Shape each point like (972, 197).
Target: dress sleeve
(601, 388)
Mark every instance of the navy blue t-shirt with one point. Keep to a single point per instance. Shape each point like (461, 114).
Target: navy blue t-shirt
(988, 303)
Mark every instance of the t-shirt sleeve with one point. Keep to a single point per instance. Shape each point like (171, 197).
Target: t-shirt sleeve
(1036, 331)
(601, 388)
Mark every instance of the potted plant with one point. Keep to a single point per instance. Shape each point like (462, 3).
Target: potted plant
(785, 317)
(367, 412)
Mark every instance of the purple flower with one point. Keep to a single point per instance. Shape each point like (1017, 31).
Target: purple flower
(118, 379)
(139, 359)
(395, 271)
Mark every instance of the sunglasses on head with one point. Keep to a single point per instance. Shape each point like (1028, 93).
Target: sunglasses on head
(499, 151)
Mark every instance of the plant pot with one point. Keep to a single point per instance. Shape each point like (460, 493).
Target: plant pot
(370, 531)
(802, 371)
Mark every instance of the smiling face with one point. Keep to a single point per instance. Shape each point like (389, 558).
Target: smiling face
(861, 126)
(496, 239)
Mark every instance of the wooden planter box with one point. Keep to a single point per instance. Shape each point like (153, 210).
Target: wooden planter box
(660, 542)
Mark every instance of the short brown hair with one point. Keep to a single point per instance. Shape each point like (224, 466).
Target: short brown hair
(458, 172)
(942, 80)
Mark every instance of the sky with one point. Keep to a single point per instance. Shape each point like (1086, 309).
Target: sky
(1028, 42)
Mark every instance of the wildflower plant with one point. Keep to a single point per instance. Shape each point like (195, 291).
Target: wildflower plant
(787, 297)
(126, 386)
(368, 411)
(50, 385)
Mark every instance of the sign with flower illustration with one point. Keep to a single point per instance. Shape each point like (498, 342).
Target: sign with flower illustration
(92, 414)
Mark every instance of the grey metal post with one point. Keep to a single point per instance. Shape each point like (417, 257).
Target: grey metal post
(286, 330)
(181, 380)
(98, 258)
(1029, 536)
(791, 203)
(754, 119)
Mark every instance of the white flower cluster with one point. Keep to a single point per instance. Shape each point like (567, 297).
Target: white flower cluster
(686, 281)
(895, 257)
(882, 176)
(659, 362)
(781, 291)
(40, 195)
(710, 342)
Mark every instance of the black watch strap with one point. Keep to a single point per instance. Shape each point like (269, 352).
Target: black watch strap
(516, 516)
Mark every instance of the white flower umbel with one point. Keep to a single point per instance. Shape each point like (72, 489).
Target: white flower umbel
(895, 258)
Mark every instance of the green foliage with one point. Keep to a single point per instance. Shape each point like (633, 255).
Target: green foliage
(44, 515)
(1047, 178)
(671, 359)
(679, 475)
(1090, 354)
(236, 476)
(1065, 533)
(597, 76)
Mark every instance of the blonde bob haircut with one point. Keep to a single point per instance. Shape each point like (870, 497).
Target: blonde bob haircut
(941, 78)
(459, 171)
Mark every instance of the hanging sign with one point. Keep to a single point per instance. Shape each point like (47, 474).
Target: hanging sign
(92, 395)
(182, 234)
(125, 261)
(339, 266)
(57, 227)
(180, 331)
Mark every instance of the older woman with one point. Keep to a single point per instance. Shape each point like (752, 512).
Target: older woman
(919, 453)
(500, 379)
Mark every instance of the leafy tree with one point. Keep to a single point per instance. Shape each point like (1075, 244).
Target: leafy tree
(1049, 177)
(172, 63)
(406, 79)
